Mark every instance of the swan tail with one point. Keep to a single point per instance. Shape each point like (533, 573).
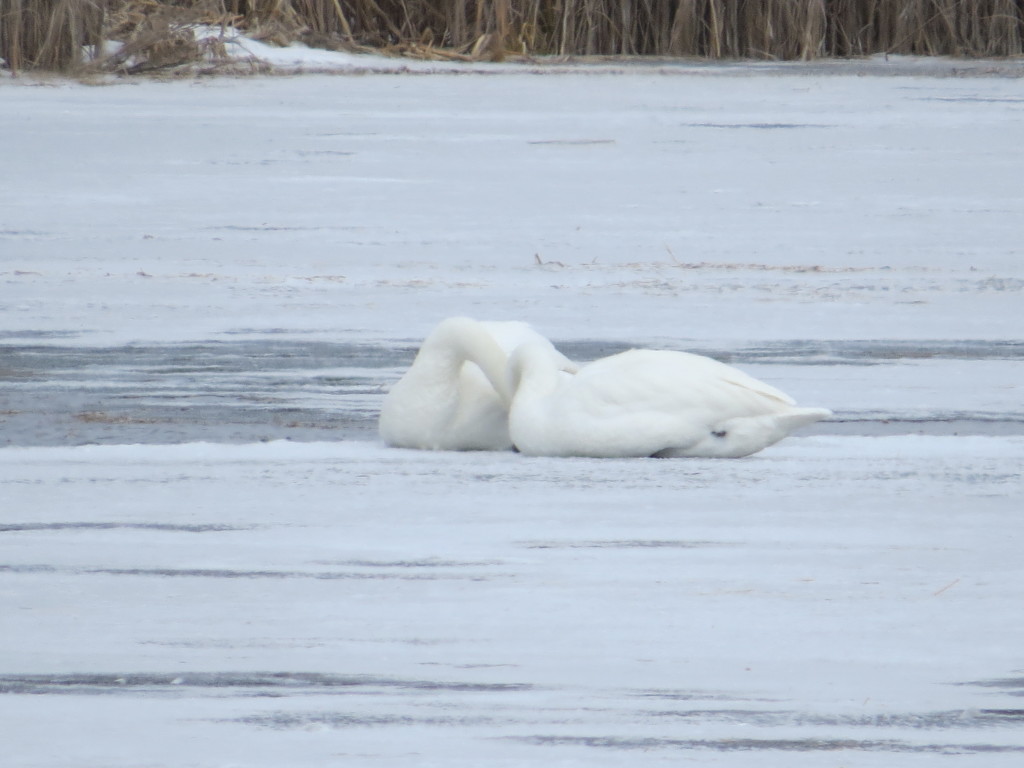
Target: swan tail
(801, 417)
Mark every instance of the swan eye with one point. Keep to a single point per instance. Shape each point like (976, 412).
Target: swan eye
(719, 433)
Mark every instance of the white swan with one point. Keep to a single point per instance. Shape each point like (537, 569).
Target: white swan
(645, 403)
(453, 397)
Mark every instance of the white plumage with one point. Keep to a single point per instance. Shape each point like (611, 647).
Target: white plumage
(645, 403)
(497, 385)
(453, 396)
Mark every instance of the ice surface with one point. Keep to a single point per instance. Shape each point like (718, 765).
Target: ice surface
(344, 599)
(641, 206)
(205, 265)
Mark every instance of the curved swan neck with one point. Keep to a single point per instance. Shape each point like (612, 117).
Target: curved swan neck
(461, 339)
(532, 371)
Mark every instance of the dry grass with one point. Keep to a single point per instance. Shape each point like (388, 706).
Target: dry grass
(62, 34)
(101, 417)
(49, 34)
(161, 35)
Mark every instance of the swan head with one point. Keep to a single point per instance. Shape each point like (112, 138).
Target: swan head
(744, 435)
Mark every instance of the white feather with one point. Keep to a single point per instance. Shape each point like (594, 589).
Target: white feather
(453, 397)
(645, 403)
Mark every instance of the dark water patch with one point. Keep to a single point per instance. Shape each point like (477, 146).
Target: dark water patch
(35, 336)
(252, 390)
(237, 356)
(266, 332)
(765, 745)
(425, 563)
(107, 419)
(284, 682)
(692, 695)
(1014, 686)
(1004, 716)
(323, 152)
(260, 228)
(218, 573)
(290, 720)
(878, 352)
(974, 99)
(570, 142)
(943, 720)
(820, 351)
(225, 573)
(31, 568)
(305, 642)
(757, 126)
(622, 544)
(236, 391)
(171, 527)
(946, 425)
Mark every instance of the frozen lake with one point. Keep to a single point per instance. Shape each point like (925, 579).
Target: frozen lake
(266, 389)
(208, 559)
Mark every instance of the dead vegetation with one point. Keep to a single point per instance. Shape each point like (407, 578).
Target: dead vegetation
(101, 417)
(67, 35)
(49, 34)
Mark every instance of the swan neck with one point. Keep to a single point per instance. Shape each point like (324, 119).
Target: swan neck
(463, 340)
(532, 372)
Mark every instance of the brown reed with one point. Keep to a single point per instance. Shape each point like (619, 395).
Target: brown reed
(49, 34)
(59, 34)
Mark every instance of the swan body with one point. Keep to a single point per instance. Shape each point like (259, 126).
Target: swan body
(454, 397)
(646, 403)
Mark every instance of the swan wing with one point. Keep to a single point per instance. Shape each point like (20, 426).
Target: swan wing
(714, 370)
(641, 402)
(668, 381)
(623, 405)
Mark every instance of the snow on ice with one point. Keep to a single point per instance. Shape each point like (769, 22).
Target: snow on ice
(208, 559)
